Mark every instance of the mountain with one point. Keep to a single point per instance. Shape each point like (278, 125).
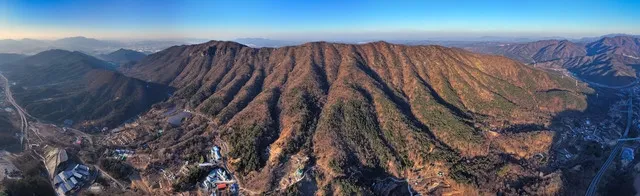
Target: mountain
(9, 57)
(57, 85)
(609, 60)
(356, 114)
(124, 56)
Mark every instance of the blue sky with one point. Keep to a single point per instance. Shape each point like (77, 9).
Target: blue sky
(315, 20)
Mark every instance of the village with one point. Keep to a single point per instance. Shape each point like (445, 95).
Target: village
(603, 140)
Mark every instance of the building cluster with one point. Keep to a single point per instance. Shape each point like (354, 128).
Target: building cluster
(216, 179)
(122, 154)
(13, 174)
(584, 131)
(68, 181)
(219, 180)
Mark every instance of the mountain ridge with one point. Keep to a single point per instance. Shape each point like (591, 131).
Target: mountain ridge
(380, 107)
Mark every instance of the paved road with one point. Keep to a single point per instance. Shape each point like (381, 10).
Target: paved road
(24, 124)
(596, 180)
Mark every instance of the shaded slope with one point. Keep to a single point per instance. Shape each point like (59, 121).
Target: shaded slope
(57, 85)
(358, 111)
(8, 57)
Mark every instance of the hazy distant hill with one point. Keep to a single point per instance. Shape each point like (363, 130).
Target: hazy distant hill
(609, 60)
(123, 57)
(86, 45)
(56, 85)
(593, 39)
(357, 112)
(24, 46)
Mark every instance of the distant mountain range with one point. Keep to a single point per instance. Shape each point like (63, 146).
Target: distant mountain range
(86, 45)
(443, 41)
(57, 85)
(608, 60)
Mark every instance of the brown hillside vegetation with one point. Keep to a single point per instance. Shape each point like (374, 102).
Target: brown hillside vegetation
(362, 112)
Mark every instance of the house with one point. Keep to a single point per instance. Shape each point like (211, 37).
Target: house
(215, 153)
(234, 188)
(627, 154)
(222, 174)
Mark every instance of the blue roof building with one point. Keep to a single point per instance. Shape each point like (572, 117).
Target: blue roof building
(69, 180)
(627, 154)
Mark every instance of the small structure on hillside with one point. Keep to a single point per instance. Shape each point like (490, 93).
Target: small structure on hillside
(122, 153)
(234, 188)
(627, 155)
(215, 153)
(299, 172)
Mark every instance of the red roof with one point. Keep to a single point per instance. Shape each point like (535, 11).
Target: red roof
(222, 186)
